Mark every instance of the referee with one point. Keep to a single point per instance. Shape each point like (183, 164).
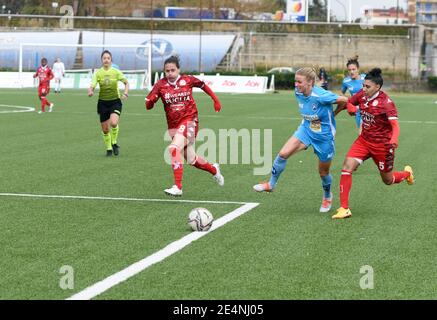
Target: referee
(109, 105)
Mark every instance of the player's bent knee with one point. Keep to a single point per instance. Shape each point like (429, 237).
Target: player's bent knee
(387, 181)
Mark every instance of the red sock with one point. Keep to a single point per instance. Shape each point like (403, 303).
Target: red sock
(43, 104)
(400, 176)
(177, 165)
(47, 102)
(202, 164)
(345, 188)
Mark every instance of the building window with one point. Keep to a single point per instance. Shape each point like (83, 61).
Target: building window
(428, 7)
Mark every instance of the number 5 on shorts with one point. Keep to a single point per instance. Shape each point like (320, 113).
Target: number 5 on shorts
(381, 165)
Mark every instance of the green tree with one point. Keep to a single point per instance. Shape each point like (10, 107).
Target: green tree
(317, 10)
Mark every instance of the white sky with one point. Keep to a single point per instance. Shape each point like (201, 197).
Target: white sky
(358, 5)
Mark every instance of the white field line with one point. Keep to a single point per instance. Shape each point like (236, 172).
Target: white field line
(21, 108)
(130, 271)
(29, 195)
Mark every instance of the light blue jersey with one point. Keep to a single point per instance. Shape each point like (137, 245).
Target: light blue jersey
(353, 86)
(318, 125)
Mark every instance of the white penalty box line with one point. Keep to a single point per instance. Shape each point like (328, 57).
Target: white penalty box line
(139, 266)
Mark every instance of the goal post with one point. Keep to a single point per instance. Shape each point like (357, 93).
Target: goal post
(135, 59)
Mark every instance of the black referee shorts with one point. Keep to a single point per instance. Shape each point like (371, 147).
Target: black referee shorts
(105, 108)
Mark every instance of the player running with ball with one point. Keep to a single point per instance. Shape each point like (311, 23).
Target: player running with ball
(176, 92)
(378, 139)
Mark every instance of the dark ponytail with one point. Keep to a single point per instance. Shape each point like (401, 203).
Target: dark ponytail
(106, 51)
(173, 59)
(353, 60)
(375, 76)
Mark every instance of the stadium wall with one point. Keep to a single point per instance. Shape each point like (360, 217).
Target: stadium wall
(266, 44)
(328, 50)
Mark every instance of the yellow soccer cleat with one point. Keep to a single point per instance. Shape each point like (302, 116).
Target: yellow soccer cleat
(342, 213)
(410, 179)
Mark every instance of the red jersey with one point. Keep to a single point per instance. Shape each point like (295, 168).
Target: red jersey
(375, 114)
(44, 75)
(177, 98)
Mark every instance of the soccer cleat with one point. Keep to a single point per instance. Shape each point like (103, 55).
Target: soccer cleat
(173, 191)
(51, 107)
(263, 187)
(218, 177)
(109, 153)
(410, 179)
(342, 213)
(115, 148)
(40, 112)
(326, 204)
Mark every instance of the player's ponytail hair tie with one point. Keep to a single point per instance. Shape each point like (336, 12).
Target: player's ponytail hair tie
(353, 60)
(375, 75)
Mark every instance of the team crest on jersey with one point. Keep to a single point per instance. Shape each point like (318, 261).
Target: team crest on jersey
(375, 103)
(182, 83)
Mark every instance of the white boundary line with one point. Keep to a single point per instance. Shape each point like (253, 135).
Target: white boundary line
(29, 195)
(130, 271)
(24, 108)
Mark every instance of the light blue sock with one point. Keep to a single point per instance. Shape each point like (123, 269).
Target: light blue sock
(326, 185)
(277, 168)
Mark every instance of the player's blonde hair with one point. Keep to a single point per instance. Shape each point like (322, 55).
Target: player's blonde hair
(310, 73)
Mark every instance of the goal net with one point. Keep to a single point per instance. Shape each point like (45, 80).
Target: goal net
(81, 60)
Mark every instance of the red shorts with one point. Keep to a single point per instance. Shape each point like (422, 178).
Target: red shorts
(188, 127)
(43, 90)
(382, 155)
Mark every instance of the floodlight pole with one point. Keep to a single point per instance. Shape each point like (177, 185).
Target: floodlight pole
(328, 15)
(307, 5)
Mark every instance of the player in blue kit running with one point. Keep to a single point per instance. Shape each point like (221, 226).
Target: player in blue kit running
(317, 129)
(353, 83)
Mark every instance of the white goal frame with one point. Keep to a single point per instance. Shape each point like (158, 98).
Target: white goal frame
(148, 73)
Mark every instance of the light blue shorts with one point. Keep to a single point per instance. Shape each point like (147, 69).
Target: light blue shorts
(324, 149)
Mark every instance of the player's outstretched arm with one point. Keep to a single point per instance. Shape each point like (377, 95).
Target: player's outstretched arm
(208, 91)
(126, 90)
(341, 104)
(90, 91)
(396, 131)
(152, 97)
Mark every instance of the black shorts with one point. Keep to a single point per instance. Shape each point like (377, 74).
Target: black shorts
(105, 108)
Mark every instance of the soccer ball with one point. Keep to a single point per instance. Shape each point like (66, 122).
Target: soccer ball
(200, 219)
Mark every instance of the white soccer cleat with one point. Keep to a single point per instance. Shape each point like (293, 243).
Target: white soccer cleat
(326, 204)
(218, 176)
(173, 191)
(263, 187)
(40, 112)
(51, 107)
